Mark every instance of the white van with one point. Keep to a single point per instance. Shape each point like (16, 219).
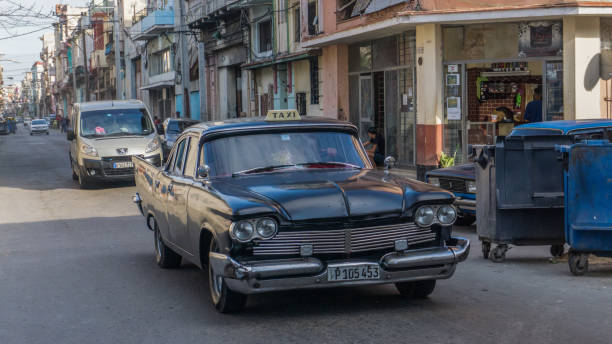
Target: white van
(104, 136)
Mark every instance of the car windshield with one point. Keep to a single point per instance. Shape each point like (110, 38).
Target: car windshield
(177, 127)
(263, 152)
(115, 122)
(39, 121)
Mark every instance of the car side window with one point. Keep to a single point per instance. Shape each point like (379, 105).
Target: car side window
(609, 134)
(180, 157)
(192, 158)
(597, 134)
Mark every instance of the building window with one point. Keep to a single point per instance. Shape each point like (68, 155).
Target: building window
(296, 25)
(314, 80)
(344, 9)
(265, 35)
(160, 63)
(313, 20)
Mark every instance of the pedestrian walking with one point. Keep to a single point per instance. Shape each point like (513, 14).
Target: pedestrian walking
(64, 124)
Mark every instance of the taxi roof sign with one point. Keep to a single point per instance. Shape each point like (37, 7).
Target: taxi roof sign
(283, 115)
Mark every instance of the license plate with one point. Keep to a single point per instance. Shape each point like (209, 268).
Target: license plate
(127, 164)
(355, 272)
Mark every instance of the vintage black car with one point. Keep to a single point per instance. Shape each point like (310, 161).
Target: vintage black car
(266, 205)
(171, 128)
(461, 181)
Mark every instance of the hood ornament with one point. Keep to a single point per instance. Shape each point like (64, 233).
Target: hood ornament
(122, 151)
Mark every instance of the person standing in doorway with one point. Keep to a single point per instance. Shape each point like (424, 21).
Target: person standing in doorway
(533, 111)
(375, 147)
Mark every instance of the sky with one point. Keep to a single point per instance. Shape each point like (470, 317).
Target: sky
(25, 49)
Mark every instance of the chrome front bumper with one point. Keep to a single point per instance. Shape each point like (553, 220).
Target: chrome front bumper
(465, 203)
(306, 273)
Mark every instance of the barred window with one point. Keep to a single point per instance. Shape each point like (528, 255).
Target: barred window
(314, 80)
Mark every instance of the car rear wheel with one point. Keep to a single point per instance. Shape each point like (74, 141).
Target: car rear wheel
(223, 298)
(416, 290)
(164, 256)
(465, 220)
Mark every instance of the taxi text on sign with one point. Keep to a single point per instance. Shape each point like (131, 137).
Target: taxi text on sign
(283, 115)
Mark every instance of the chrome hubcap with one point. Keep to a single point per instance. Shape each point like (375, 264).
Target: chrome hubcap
(215, 280)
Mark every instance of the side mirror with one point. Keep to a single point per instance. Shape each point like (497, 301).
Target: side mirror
(69, 134)
(389, 162)
(203, 172)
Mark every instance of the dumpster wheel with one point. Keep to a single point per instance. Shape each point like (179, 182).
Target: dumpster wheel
(578, 263)
(486, 249)
(498, 254)
(557, 250)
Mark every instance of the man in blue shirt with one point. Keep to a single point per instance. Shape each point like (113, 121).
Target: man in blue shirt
(533, 111)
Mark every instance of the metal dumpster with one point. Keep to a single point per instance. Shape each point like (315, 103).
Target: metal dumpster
(588, 202)
(520, 194)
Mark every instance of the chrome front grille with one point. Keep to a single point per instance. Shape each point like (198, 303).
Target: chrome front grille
(344, 241)
(454, 185)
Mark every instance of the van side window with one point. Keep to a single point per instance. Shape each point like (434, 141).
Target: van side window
(180, 157)
(192, 158)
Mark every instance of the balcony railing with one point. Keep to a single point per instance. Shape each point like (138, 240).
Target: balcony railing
(150, 22)
(215, 5)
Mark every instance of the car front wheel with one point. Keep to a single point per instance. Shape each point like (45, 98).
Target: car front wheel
(223, 298)
(416, 290)
(465, 220)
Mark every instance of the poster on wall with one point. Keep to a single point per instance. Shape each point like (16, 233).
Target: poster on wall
(453, 108)
(452, 80)
(542, 38)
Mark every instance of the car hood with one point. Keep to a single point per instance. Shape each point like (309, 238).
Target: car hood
(311, 194)
(465, 171)
(108, 146)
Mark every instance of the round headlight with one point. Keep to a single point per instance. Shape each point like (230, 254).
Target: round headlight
(243, 230)
(424, 216)
(447, 215)
(266, 228)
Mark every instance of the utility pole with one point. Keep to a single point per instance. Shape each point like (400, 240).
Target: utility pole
(73, 67)
(116, 28)
(85, 69)
(184, 63)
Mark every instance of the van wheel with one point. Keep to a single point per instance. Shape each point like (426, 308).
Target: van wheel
(223, 298)
(74, 175)
(83, 182)
(164, 256)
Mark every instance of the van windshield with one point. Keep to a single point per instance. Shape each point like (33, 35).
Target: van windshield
(115, 122)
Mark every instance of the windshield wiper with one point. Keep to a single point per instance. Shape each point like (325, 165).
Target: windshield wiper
(261, 169)
(122, 134)
(331, 164)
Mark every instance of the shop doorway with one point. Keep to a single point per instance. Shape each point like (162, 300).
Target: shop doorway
(366, 105)
(483, 100)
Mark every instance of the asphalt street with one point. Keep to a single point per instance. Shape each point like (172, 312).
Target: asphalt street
(77, 266)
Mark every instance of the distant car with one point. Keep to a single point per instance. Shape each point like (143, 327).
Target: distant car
(172, 128)
(39, 126)
(4, 129)
(461, 179)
